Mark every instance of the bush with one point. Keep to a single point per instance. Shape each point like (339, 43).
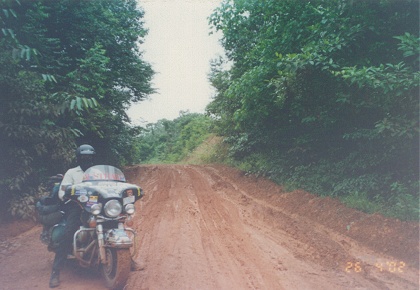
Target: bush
(171, 141)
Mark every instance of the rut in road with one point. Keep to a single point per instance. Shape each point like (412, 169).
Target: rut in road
(211, 227)
(201, 228)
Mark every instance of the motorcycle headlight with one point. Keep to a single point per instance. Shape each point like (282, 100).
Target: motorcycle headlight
(113, 208)
(96, 208)
(129, 208)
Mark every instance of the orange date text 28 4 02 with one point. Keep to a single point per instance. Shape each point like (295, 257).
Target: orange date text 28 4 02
(388, 266)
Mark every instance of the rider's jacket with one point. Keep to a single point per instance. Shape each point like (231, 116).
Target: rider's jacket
(72, 176)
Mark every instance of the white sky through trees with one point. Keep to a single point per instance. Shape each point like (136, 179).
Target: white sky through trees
(179, 48)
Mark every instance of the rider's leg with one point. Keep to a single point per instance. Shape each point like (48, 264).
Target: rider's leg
(65, 245)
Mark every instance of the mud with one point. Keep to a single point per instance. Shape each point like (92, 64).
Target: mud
(212, 227)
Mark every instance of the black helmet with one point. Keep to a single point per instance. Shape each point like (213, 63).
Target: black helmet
(84, 156)
(85, 149)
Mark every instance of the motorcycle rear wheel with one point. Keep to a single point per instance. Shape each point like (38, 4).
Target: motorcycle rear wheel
(117, 269)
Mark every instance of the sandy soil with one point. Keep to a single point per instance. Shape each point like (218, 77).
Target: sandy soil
(211, 227)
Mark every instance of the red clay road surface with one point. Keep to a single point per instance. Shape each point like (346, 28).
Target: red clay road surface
(212, 227)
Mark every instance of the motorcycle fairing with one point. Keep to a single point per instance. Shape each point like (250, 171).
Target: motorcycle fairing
(88, 194)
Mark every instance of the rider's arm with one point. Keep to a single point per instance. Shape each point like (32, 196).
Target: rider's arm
(72, 176)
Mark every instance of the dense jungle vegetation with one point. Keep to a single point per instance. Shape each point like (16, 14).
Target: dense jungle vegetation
(68, 71)
(171, 141)
(323, 95)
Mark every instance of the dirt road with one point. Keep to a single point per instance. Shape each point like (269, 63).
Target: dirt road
(211, 227)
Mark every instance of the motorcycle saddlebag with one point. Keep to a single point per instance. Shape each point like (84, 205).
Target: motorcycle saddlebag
(56, 235)
(49, 213)
(51, 219)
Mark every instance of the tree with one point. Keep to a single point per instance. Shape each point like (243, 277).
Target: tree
(325, 91)
(170, 141)
(69, 70)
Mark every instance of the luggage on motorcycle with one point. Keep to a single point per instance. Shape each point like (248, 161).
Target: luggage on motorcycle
(56, 234)
(51, 219)
(49, 213)
(48, 207)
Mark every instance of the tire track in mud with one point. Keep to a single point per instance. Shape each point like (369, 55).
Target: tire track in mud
(215, 231)
(211, 227)
(313, 241)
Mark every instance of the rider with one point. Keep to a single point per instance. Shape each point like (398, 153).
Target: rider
(85, 154)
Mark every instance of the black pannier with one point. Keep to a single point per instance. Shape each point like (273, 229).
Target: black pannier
(49, 212)
(49, 209)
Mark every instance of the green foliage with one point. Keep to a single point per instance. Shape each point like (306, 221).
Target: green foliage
(68, 72)
(23, 207)
(211, 150)
(171, 141)
(403, 206)
(322, 95)
(361, 202)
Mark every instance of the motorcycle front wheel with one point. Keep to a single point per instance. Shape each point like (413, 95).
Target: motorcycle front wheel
(117, 268)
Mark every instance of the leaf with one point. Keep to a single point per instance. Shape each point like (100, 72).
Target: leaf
(72, 104)
(89, 103)
(11, 33)
(85, 102)
(13, 13)
(79, 103)
(94, 102)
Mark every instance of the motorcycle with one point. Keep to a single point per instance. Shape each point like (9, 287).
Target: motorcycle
(105, 240)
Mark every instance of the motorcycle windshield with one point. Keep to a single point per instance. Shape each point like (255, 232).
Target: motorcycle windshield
(103, 173)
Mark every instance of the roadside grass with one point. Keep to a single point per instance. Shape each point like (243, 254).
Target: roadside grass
(211, 150)
(361, 201)
(400, 205)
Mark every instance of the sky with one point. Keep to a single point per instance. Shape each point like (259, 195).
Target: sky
(179, 48)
